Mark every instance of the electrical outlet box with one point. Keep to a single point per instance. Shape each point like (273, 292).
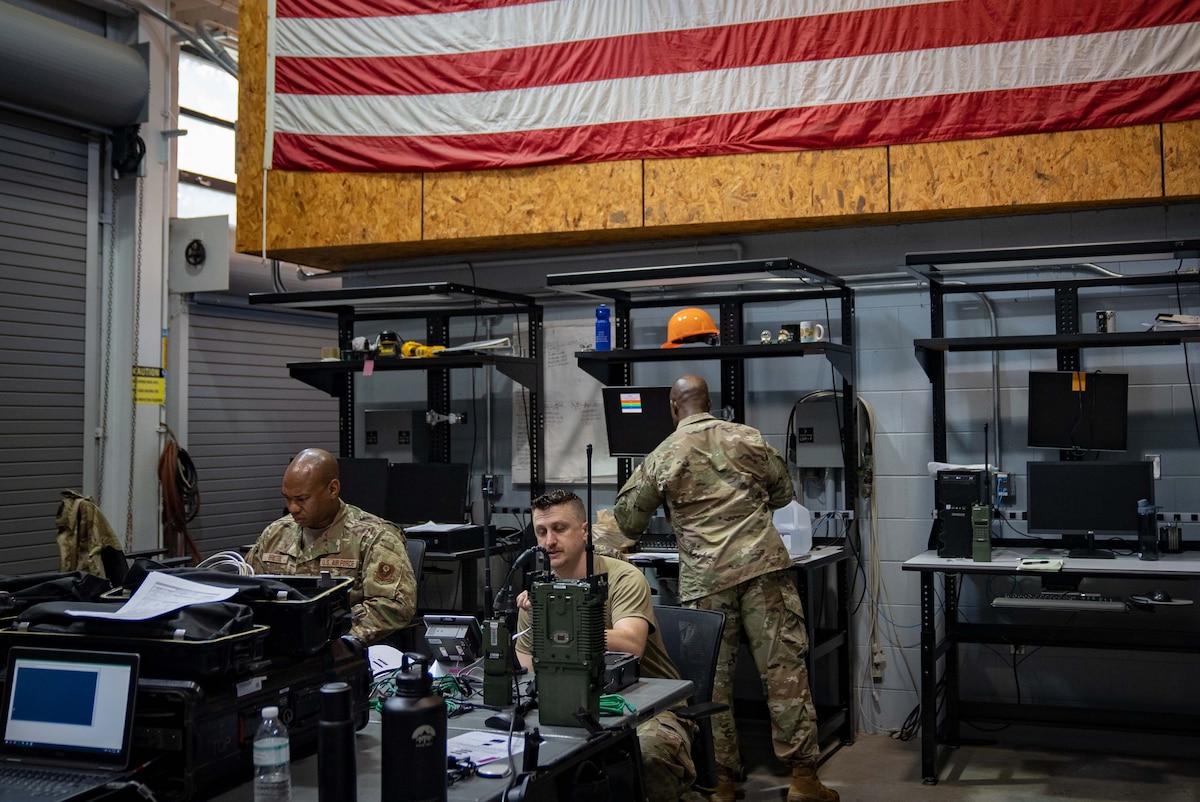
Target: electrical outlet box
(1154, 458)
(1002, 488)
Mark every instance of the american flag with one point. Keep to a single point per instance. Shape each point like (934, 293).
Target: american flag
(425, 85)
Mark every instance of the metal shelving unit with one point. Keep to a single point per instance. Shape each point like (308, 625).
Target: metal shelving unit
(734, 285)
(436, 303)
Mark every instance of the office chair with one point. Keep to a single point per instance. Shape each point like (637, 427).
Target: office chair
(692, 638)
(410, 638)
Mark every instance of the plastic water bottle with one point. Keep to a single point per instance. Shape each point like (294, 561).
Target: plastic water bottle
(272, 756)
(603, 328)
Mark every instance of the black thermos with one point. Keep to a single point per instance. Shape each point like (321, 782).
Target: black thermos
(337, 775)
(414, 738)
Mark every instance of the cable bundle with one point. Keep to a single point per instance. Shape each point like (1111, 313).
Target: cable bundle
(180, 494)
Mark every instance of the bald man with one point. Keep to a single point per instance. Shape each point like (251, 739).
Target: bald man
(720, 482)
(323, 533)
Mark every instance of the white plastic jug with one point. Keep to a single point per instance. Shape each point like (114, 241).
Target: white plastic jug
(794, 523)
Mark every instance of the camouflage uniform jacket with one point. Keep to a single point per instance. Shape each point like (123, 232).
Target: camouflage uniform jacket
(83, 532)
(720, 482)
(356, 544)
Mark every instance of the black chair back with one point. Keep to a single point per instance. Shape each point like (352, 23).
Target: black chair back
(692, 639)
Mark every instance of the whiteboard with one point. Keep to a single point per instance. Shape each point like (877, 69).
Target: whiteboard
(574, 412)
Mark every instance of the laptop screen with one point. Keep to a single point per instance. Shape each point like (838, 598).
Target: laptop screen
(69, 707)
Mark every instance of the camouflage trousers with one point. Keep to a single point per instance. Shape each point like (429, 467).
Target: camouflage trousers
(666, 744)
(768, 610)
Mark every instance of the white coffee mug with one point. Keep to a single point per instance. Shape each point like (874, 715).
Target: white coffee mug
(811, 331)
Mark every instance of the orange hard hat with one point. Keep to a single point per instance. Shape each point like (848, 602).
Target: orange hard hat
(691, 325)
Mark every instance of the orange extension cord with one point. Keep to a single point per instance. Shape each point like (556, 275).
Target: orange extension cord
(180, 494)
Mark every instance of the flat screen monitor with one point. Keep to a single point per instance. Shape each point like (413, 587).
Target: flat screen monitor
(419, 492)
(1087, 498)
(637, 419)
(364, 483)
(1078, 411)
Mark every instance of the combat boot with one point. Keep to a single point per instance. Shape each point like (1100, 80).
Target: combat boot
(725, 791)
(806, 787)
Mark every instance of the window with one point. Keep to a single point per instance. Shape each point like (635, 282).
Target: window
(207, 162)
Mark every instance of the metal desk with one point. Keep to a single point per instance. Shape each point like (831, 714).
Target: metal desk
(935, 646)
(648, 696)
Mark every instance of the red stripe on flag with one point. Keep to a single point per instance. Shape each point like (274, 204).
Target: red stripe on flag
(316, 9)
(911, 120)
(786, 41)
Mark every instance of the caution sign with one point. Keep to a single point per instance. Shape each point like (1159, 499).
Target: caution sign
(149, 386)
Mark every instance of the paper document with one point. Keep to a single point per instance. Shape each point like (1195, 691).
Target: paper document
(430, 526)
(161, 593)
(484, 747)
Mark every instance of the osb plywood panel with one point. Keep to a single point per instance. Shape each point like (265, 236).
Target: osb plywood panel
(252, 82)
(1075, 167)
(308, 210)
(1181, 159)
(538, 200)
(766, 186)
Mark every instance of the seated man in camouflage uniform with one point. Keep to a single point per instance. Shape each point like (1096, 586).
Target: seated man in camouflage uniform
(560, 525)
(324, 533)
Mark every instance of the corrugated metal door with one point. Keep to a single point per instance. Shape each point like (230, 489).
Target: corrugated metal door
(247, 417)
(43, 247)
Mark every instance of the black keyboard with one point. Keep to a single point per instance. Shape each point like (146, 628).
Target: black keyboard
(1070, 601)
(657, 544)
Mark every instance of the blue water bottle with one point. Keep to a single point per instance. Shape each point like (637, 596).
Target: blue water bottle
(603, 329)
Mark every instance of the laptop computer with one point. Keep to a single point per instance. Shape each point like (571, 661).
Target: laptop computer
(68, 722)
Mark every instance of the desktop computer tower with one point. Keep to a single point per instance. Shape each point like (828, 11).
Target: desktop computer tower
(954, 493)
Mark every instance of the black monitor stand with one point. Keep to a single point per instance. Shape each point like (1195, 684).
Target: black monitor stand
(1090, 551)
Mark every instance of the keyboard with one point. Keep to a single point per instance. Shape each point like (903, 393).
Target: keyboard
(37, 782)
(657, 544)
(1070, 601)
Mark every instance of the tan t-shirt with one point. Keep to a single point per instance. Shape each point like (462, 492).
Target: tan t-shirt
(628, 595)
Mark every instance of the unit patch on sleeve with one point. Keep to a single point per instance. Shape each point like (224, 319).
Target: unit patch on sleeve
(385, 572)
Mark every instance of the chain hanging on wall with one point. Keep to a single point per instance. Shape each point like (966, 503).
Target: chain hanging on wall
(137, 322)
(106, 379)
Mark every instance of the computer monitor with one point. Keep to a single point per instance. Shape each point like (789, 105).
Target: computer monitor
(637, 419)
(419, 492)
(364, 483)
(1087, 498)
(1078, 411)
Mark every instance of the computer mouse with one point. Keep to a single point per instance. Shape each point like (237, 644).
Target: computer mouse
(1158, 596)
(506, 719)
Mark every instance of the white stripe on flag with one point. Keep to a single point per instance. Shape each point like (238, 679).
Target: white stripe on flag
(1138, 53)
(542, 23)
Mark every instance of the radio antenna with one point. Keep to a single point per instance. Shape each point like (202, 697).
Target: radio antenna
(591, 547)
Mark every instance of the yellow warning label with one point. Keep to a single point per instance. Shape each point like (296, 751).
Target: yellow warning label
(149, 386)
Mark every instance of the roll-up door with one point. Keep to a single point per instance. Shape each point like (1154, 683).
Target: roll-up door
(43, 248)
(247, 417)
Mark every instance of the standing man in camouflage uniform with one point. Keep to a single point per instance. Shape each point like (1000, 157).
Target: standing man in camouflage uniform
(324, 533)
(720, 482)
(560, 525)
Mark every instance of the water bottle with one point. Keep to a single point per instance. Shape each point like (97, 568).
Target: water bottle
(337, 773)
(1147, 530)
(603, 329)
(272, 767)
(414, 737)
